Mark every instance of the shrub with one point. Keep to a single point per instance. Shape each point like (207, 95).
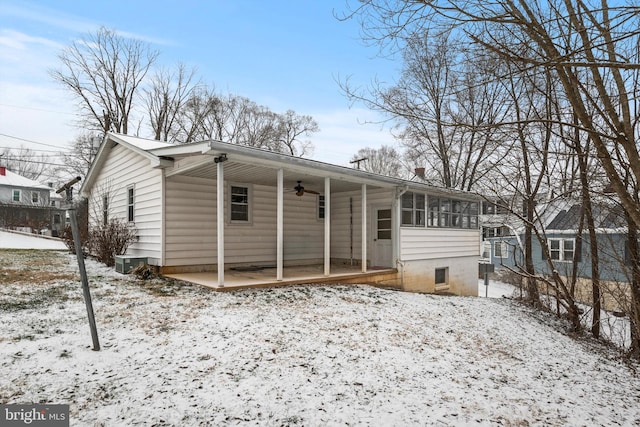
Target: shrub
(67, 238)
(110, 239)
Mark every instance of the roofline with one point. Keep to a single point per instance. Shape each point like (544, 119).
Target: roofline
(292, 162)
(269, 158)
(101, 158)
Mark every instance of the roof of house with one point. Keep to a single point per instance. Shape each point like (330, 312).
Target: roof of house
(605, 217)
(162, 155)
(11, 179)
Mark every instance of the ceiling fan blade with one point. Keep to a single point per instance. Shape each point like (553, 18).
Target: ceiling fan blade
(311, 192)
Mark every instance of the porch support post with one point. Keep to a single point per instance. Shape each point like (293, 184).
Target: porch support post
(280, 225)
(364, 228)
(220, 222)
(327, 226)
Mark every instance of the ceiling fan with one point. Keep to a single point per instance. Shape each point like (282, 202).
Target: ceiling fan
(300, 190)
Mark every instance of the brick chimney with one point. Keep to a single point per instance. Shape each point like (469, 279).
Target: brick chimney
(419, 172)
(3, 171)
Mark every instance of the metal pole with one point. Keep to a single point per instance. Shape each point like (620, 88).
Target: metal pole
(77, 244)
(486, 284)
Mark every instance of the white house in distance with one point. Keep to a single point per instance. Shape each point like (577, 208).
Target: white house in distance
(282, 215)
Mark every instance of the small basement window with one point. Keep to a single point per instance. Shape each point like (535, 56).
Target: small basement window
(442, 277)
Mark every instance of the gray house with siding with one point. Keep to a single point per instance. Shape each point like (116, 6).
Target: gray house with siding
(28, 205)
(211, 209)
(565, 245)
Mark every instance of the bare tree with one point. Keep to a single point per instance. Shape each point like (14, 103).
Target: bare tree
(561, 36)
(291, 127)
(26, 162)
(104, 71)
(80, 156)
(166, 96)
(445, 111)
(384, 161)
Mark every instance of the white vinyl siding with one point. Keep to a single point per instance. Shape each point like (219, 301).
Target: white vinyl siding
(191, 225)
(122, 169)
(432, 243)
(341, 228)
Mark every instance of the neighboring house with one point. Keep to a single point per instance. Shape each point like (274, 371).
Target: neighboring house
(27, 205)
(281, 211)
(561, 225)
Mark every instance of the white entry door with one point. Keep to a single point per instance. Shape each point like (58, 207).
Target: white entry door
(382, 248)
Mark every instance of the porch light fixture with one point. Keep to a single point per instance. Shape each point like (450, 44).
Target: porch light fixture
(221, 158)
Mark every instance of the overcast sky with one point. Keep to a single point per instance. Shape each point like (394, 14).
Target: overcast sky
(280, 54)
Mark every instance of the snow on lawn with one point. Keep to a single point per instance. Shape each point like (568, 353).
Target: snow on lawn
(24, 241)
(176, 354)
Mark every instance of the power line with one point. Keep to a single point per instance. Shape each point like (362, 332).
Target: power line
(31, 149)
(29, 140)
(18, 159)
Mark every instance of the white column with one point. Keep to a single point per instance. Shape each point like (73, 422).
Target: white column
(220, 222)
(364, 228)
(280, 225)
(327, 226)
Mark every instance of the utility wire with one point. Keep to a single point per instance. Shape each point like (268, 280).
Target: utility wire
(18, 159)
(29, 140)
(31, 149)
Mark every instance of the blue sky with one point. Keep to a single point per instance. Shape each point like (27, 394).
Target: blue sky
(281, 54)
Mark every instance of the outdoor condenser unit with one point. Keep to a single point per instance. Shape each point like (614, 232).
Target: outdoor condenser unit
(124, 263)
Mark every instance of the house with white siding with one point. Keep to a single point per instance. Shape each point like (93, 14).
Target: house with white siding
(221, 214)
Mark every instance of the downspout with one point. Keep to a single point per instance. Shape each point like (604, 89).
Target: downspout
(395, 219)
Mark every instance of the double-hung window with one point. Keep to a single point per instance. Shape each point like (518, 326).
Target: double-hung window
(413, 209)
(320, 206)
(500, 249)
(35, 197)
(240, 203)
(130, 204)
(562, 249)
(16, 196)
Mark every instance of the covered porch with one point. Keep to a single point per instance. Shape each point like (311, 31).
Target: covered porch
(265, 277)
(226, 208)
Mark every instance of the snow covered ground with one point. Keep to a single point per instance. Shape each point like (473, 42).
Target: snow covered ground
(176, 354)
(24, 241)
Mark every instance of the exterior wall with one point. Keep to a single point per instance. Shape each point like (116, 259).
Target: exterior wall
(6, 196)
(419, 275)
(27, 214)
(122, 169)
(346, 239)
(419, 243)
(191, 216)
(424, 249)
(611, 251)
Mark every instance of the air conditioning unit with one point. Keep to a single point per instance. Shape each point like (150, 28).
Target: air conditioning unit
(125, 263)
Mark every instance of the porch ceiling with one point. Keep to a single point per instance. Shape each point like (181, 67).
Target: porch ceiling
(241, 172)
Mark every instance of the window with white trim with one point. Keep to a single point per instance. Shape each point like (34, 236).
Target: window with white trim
(486, 250)
(16, 196)
(105, 209)
(320, 206)
(444, 212)
(35, 197)
(413, 209)
(240, 203)
(561, 249)
(130, 204)
(500, 249)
